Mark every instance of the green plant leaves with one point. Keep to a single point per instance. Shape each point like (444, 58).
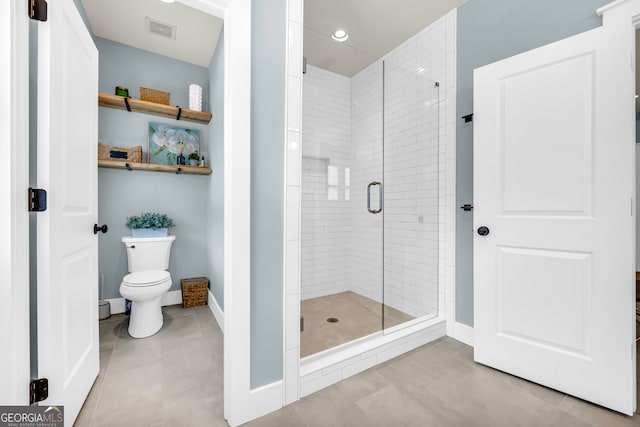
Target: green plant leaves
(150, 220)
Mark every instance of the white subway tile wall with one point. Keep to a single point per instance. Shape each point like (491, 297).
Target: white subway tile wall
(326, 141)
(411, 220)
(415, 147)
(365, 242)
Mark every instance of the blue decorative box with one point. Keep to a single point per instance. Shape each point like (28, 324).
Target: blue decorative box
(149, 232)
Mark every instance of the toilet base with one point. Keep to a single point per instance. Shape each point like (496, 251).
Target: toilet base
(146, 318)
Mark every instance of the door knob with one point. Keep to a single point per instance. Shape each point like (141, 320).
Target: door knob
(483, 230)
(96, 228)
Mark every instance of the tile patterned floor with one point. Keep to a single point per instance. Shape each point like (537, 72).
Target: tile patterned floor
(439, 385)
(358, 317)
(175, 379)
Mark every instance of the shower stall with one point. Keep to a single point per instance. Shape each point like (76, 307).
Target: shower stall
(370, 203)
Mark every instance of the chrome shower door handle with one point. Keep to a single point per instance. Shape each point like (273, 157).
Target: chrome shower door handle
(371, 184)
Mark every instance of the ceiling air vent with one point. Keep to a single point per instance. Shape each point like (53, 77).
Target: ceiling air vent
(160, 28)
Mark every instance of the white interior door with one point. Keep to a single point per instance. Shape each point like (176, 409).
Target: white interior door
(553, 182)
(67, 247)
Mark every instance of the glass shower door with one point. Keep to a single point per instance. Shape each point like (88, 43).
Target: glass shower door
(412, 191)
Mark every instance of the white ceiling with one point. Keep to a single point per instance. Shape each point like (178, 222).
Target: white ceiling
(375, 27)
(123, 21)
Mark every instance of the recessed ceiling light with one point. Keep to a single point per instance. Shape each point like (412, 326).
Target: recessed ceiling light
(168, 1)
(340, 35)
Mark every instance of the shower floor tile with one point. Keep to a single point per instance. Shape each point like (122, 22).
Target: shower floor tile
(357, 316)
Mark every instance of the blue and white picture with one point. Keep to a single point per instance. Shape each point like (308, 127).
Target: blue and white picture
(168, 145)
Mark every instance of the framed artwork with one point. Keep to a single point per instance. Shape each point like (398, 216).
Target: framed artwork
(170, 145)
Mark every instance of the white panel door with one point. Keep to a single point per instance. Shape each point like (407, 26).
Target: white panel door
(67, 247)
(553, 182)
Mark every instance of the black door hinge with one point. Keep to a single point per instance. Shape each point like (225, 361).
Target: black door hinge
(38, 390)
(37, 9)
(37, 200)
(301, 323)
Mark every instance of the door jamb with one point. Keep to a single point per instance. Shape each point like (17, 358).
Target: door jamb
(241, 404)
(624, 16)
(14, 180)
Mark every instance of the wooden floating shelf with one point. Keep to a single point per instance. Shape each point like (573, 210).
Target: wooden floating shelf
(193, 170)
(140, 106)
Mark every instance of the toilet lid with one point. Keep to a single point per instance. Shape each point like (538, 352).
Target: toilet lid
(146, 278)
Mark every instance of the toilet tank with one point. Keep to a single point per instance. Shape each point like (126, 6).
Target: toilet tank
(148, 253)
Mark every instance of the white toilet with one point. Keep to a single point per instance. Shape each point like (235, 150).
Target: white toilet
(148, 259)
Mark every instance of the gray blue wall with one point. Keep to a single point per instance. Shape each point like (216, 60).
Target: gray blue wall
(488, 31)
(215, 198)
(268, 42)
(122, 193)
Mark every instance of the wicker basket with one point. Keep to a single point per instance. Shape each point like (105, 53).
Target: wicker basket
(153, 95)
(194, 291)
(108, 152)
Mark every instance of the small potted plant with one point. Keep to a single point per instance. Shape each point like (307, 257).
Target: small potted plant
(194, 159)
(149, 224)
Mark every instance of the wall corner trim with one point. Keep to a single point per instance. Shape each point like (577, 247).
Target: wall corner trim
(601, 10)
(463, 333)
(217, 312)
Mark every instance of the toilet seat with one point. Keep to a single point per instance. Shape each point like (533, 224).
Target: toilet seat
(146, 278)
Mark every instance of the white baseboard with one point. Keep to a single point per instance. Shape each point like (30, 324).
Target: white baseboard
(117, 305)
(463, 333)
(218, 314)
(170, 298)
